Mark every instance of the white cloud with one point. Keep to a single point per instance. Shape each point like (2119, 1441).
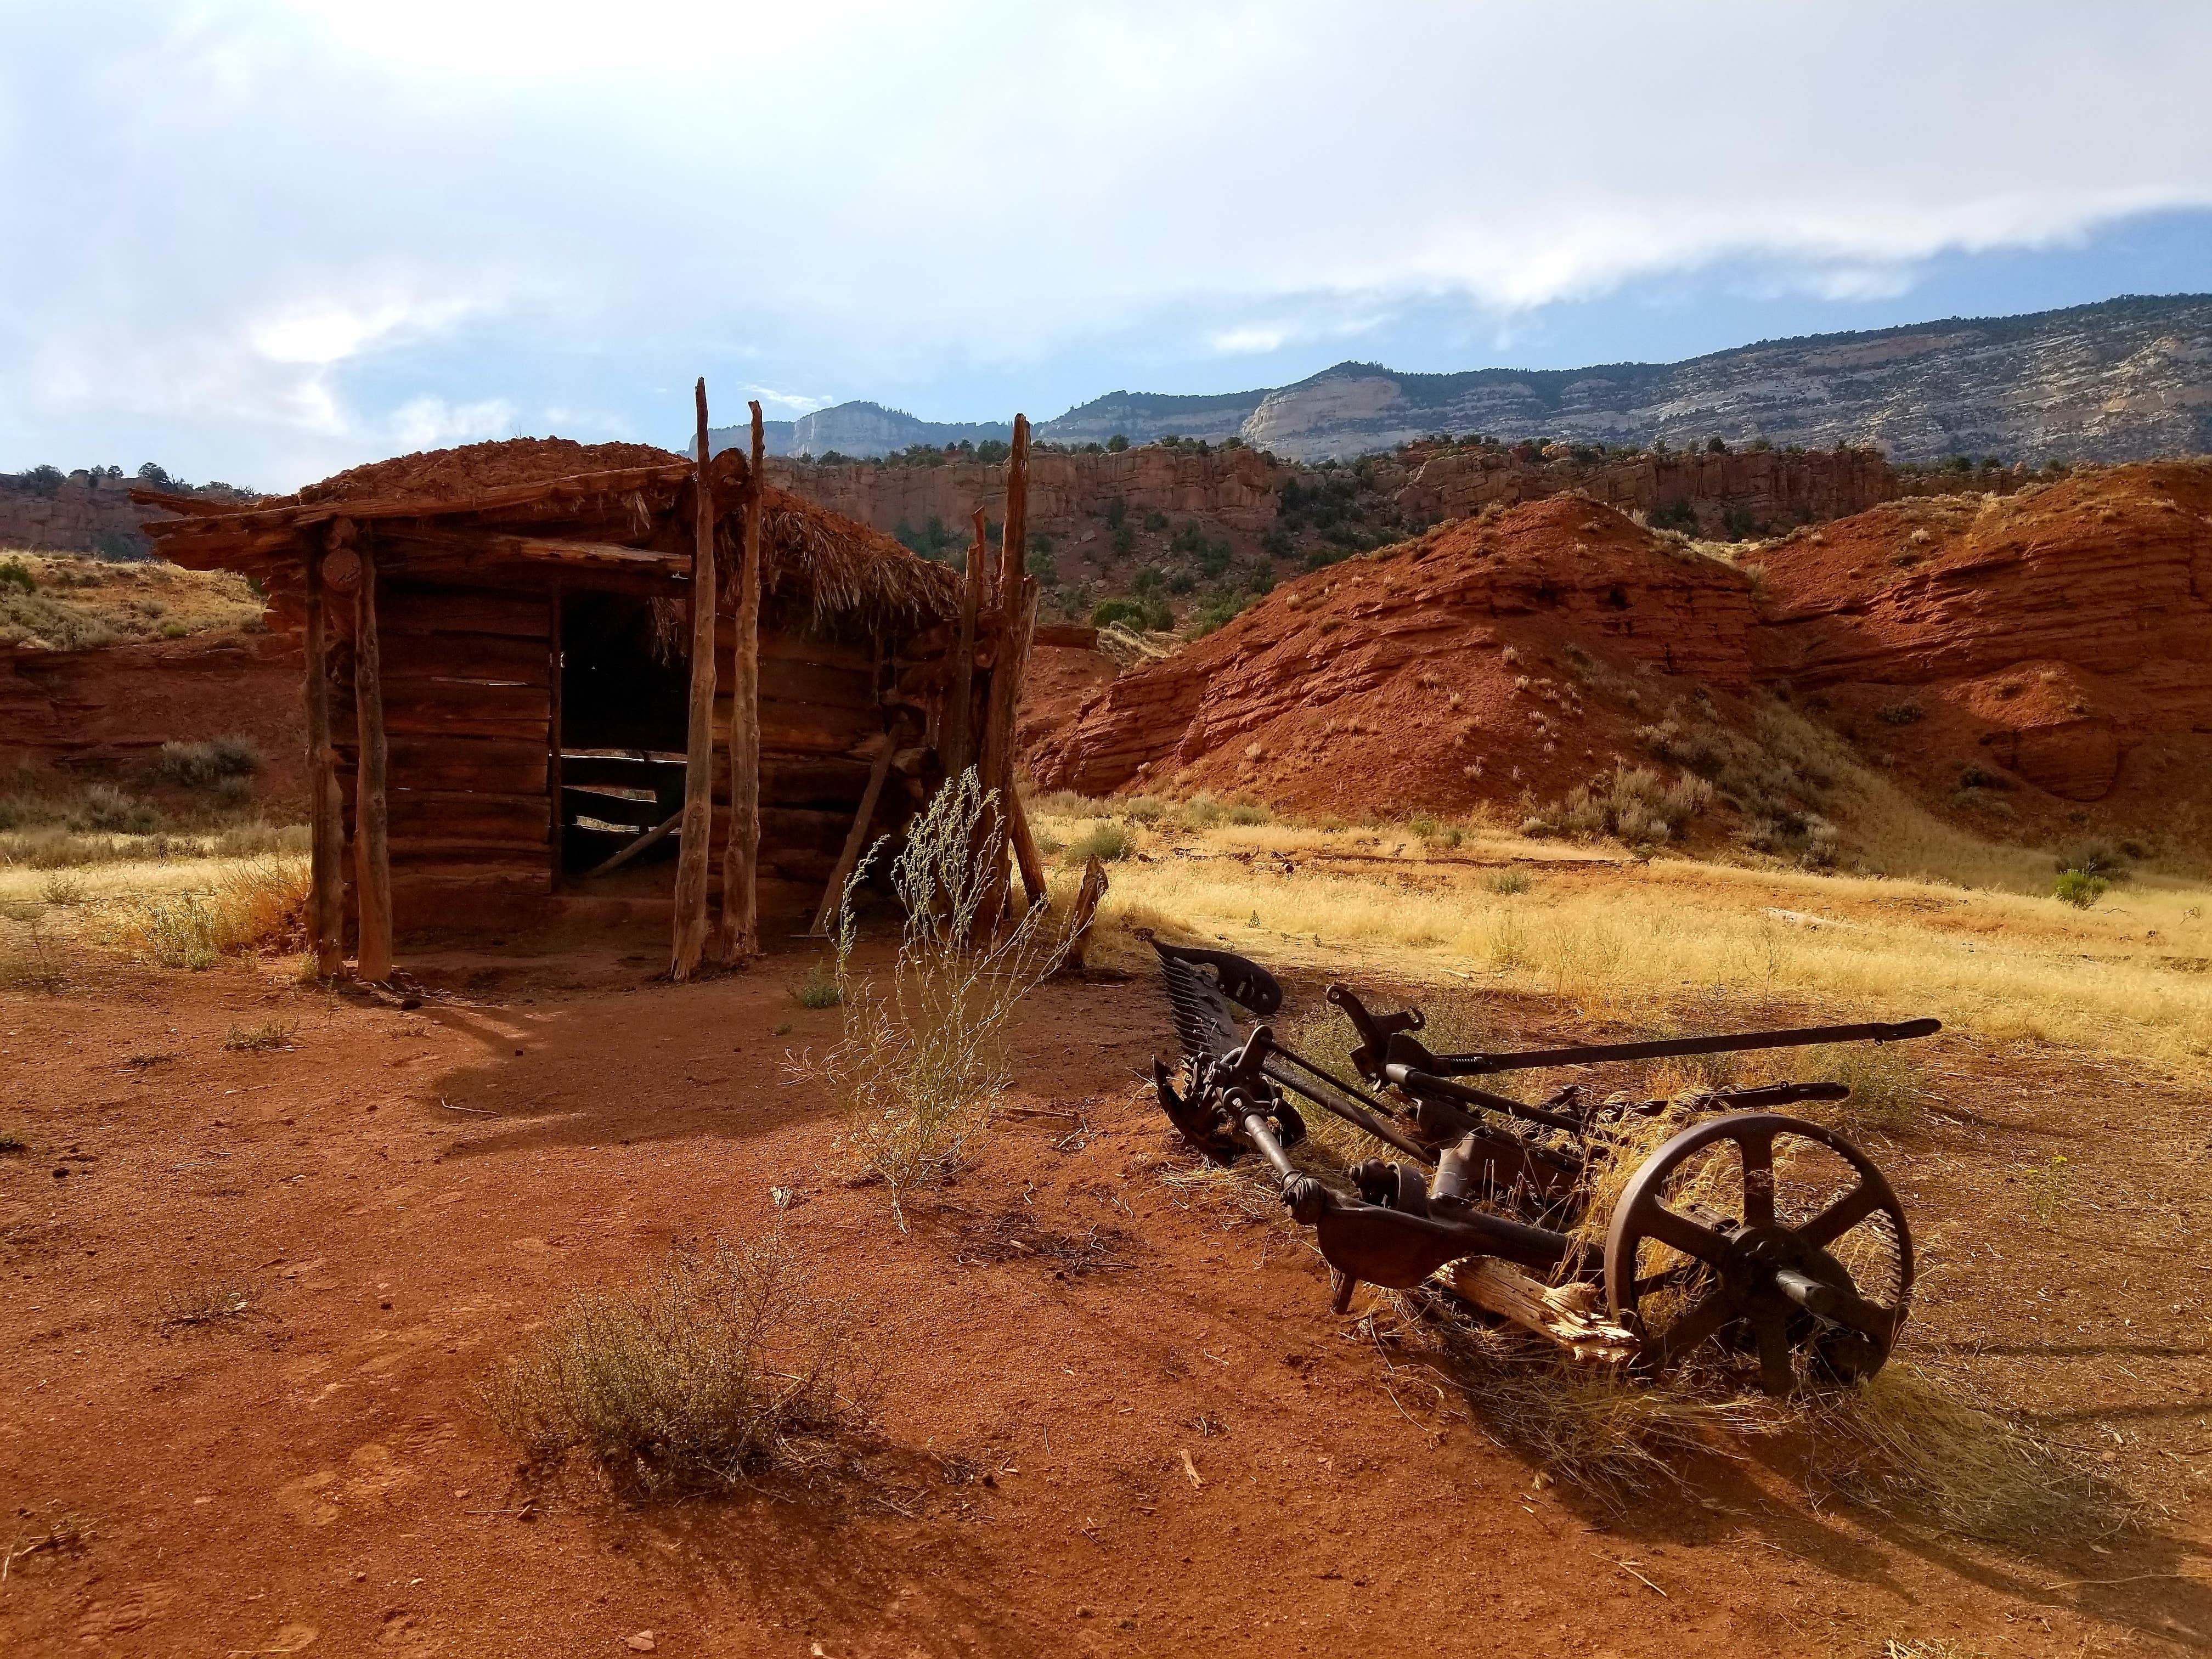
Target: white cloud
(266, 227)
(432, 423)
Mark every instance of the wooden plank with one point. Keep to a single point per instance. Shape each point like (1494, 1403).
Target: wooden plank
(323, 805)
(509, 820)
(737, 937)
(1565, 1314)
(786, 645)
(458, 708)
(689, 940)
(660, 832)
(790, 681)
(469, 659)
(833, 895)
(491, 766)
(828, 782)
(477, 854)
(609, 808)
(372, 820)
(624, 771)
(553, 780)
(480, 546)
(421, 608)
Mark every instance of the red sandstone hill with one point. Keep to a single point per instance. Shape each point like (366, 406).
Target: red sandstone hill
(2033, 663)
(2018, 655)
(1494, 658)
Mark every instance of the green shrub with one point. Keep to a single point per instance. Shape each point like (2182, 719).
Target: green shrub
(109, 809)
(819, 989)
(2079, 889)
(14, 573)
(1107, 612)
(1106, 841)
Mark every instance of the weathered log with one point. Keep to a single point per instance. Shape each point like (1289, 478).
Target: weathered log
(1085, 910)
(470, 548)
(490, 766)
(1026, 856)
(833, 895)
(999, 740)
(1564, 1313)
(738, 937)
(326, 832)
(691, 920)
(372, 821)
(405, 607)
(960, 696)
(468, 658)
(1017, 597)
(608, 808)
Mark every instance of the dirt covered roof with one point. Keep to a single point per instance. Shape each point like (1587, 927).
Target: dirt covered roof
(471, 469)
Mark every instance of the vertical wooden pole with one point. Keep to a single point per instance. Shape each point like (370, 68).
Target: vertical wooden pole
(739, 937)
(1016, 600)
(372, 846)
(960, 705)
(691, 865)
(324, 807)
(555, 835)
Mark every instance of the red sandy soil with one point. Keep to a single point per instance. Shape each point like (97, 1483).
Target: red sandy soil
(404, 1195)
(449, 474)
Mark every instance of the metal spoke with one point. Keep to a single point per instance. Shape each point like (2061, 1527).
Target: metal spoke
(1774, 1369)
(1758, 1152)
(1840, 1216)
(1669, 1227)
(1694, 1327)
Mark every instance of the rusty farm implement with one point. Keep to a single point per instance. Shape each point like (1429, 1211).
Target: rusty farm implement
(1748, 1233)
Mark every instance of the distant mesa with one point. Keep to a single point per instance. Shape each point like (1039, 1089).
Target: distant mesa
(2124, 380)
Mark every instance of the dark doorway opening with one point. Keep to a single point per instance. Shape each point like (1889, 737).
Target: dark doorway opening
(625, 707)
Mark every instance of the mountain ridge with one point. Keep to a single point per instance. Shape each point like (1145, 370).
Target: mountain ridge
(2125, 379)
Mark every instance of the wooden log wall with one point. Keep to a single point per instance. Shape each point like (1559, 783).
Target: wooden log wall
(821, 703)
(468, 703)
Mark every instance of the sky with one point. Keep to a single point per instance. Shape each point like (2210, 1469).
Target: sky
(261, 240)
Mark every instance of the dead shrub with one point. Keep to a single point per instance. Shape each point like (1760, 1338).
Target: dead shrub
(203, 765)
(922, 1057)
(203, 1305)
(721, 1367)
(1633, 805)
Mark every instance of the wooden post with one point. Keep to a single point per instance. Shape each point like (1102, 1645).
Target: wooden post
(324, 807)
(371, 847)
(1026, 855)
(1016, 598)
(556, 836)
(739, 934)
(1085, 911)
(691, 865)
(960, 715)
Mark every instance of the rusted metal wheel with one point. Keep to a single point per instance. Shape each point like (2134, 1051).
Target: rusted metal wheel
(1765, 1234)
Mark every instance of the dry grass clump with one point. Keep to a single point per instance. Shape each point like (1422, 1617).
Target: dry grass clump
(922, 1057)
(210, 764)
(1105, 841)
(723, 1366)
(203, 1305)
(30, 956)
(260, 1039)
(256, 906)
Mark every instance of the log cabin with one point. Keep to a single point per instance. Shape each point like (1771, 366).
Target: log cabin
(516, 708)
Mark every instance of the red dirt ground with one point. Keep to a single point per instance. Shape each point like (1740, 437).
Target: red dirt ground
(405, 1194)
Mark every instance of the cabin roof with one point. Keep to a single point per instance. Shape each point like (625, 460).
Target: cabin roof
(486, 513)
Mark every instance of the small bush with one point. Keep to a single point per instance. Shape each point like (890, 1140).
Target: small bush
(203, 1306)
(723, 1366)
(1105, 840)
(2079, 889)
(2094, 858)
(109, 809)
(1901, 714)
(921, 1058)
(204, 765)
(12, 1144)
(14, 573)
(1633, 805)
(259, 1039)
(66, 891)
(1506, 883)
(818, 988)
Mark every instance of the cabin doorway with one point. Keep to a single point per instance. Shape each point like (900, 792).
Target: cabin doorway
(624, 713)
